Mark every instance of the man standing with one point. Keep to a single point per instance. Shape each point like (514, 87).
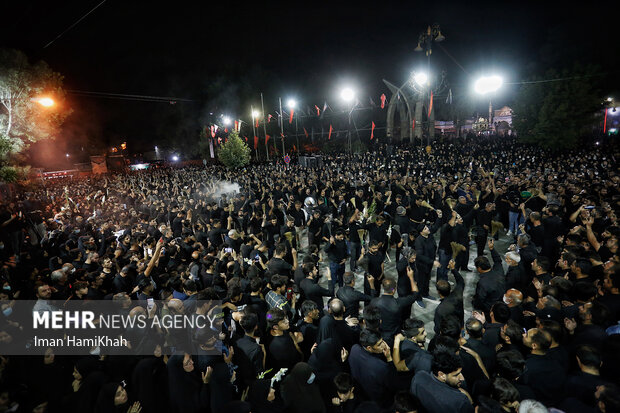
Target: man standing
(440, 390)
(544, 375)
(337, 253)
(371, 366)
(483, 220)
(392, 308)
(426, 248)
(351, 297)
(491, 286)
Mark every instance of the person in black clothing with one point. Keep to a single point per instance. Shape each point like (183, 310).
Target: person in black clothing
(483, 222)
(474, 329)
(315, 226)
(491, 286)
(545, 376)
(451, 301)
(407, 260)
(583, 384)
(409, 353)
(338, 253)
(373, 259)
(308, 326)
(355, 242)
(392, 308)
(334, 325)
(426, 249)
(283, 346)
(313, 291)
(351, 297)
(446, 236)
(249, 354)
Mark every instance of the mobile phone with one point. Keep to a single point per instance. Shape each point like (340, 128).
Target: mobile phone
(589, 207)
(257, 258)
(150, 303)
(228, 250)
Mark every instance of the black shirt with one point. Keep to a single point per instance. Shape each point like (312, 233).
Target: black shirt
(282, 352)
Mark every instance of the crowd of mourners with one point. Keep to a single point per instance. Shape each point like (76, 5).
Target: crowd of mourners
(298, 259)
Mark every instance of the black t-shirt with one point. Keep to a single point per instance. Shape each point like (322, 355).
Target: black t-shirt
(282, 352)
(374, 263)
(279, 266)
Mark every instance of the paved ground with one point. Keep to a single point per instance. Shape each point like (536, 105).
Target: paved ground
(427, 314)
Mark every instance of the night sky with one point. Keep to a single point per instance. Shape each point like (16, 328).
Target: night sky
(221, 55)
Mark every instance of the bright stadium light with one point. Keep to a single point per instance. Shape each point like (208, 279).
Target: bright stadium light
(487, 84)
(347, 94)
(175, 158)
(226, 120)
(291, 103)
(420, 78)
(255, 114)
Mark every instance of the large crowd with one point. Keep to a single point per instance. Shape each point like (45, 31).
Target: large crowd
(312, 320)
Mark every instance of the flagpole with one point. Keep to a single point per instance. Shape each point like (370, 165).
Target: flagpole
(296, 133)
(254, 131)
(281, 127)
(262, 103)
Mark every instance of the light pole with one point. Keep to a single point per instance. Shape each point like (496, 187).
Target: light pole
(348, 95)
(254, 117)
(425, 43)
(291, 105)
(419, 83)
(488, 85)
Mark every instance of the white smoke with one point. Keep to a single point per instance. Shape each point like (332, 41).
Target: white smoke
(224, 187)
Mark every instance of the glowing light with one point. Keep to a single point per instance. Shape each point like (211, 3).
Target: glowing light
(614, 111)
(347, 94)
(488, 84)
(613, 130)
(156, 149)
(175, 158)
(226, 120)
(291, 103)
(47, 102)
(420, 78)
(610, 99)
(139, 166)
(67, 155)
(255, 114)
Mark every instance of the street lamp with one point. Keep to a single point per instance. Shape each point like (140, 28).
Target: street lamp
(291, 104)
(425, 44)
(44, 101)
(488, 85)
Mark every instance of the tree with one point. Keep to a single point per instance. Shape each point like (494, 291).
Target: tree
(23, 120)
(556, 113)
(234, 153)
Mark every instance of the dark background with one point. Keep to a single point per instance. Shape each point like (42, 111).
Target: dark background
(222, 55)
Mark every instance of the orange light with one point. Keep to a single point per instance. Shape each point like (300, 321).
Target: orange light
(47, 102)
(123, 146)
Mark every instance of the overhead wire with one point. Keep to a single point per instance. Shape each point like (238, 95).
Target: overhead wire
(74, 24)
